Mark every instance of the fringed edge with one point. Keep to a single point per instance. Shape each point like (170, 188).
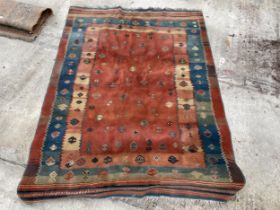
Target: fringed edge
(137, 9)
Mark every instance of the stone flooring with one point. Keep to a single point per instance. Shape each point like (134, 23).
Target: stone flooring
(244, 35)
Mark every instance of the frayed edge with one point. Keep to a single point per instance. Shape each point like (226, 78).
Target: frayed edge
(138, 9)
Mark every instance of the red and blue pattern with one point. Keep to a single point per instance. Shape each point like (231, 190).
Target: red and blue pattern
(132, 113)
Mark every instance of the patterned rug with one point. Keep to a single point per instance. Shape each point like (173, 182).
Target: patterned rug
(133, 108)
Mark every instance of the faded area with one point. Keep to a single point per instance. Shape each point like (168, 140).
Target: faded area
(245, 40)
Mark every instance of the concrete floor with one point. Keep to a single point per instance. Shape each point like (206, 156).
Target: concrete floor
(244, 35)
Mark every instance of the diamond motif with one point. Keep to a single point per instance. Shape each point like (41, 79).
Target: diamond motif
(55, 134)
(53, 174)
(193, 149)
(183, 84)
(62, 107)
(133, 146)
(195, 48)
(70, 164)
(108, 159)
(69, 175)
(72, 140)
(197, 67)
(144, 123)
(140, 159)
(74, 121)
(132, 69)
(152, 172)
(196, 174)
(64, 91)
(169, 104)
(53, 147)
(172, 159)
(94, 160)
(187, 106)
(99, 117)
(50, 161)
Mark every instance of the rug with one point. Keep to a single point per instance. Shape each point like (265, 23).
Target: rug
(133, 108)
(20, 20)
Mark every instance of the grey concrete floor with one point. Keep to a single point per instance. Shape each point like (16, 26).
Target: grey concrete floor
(244, 35)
